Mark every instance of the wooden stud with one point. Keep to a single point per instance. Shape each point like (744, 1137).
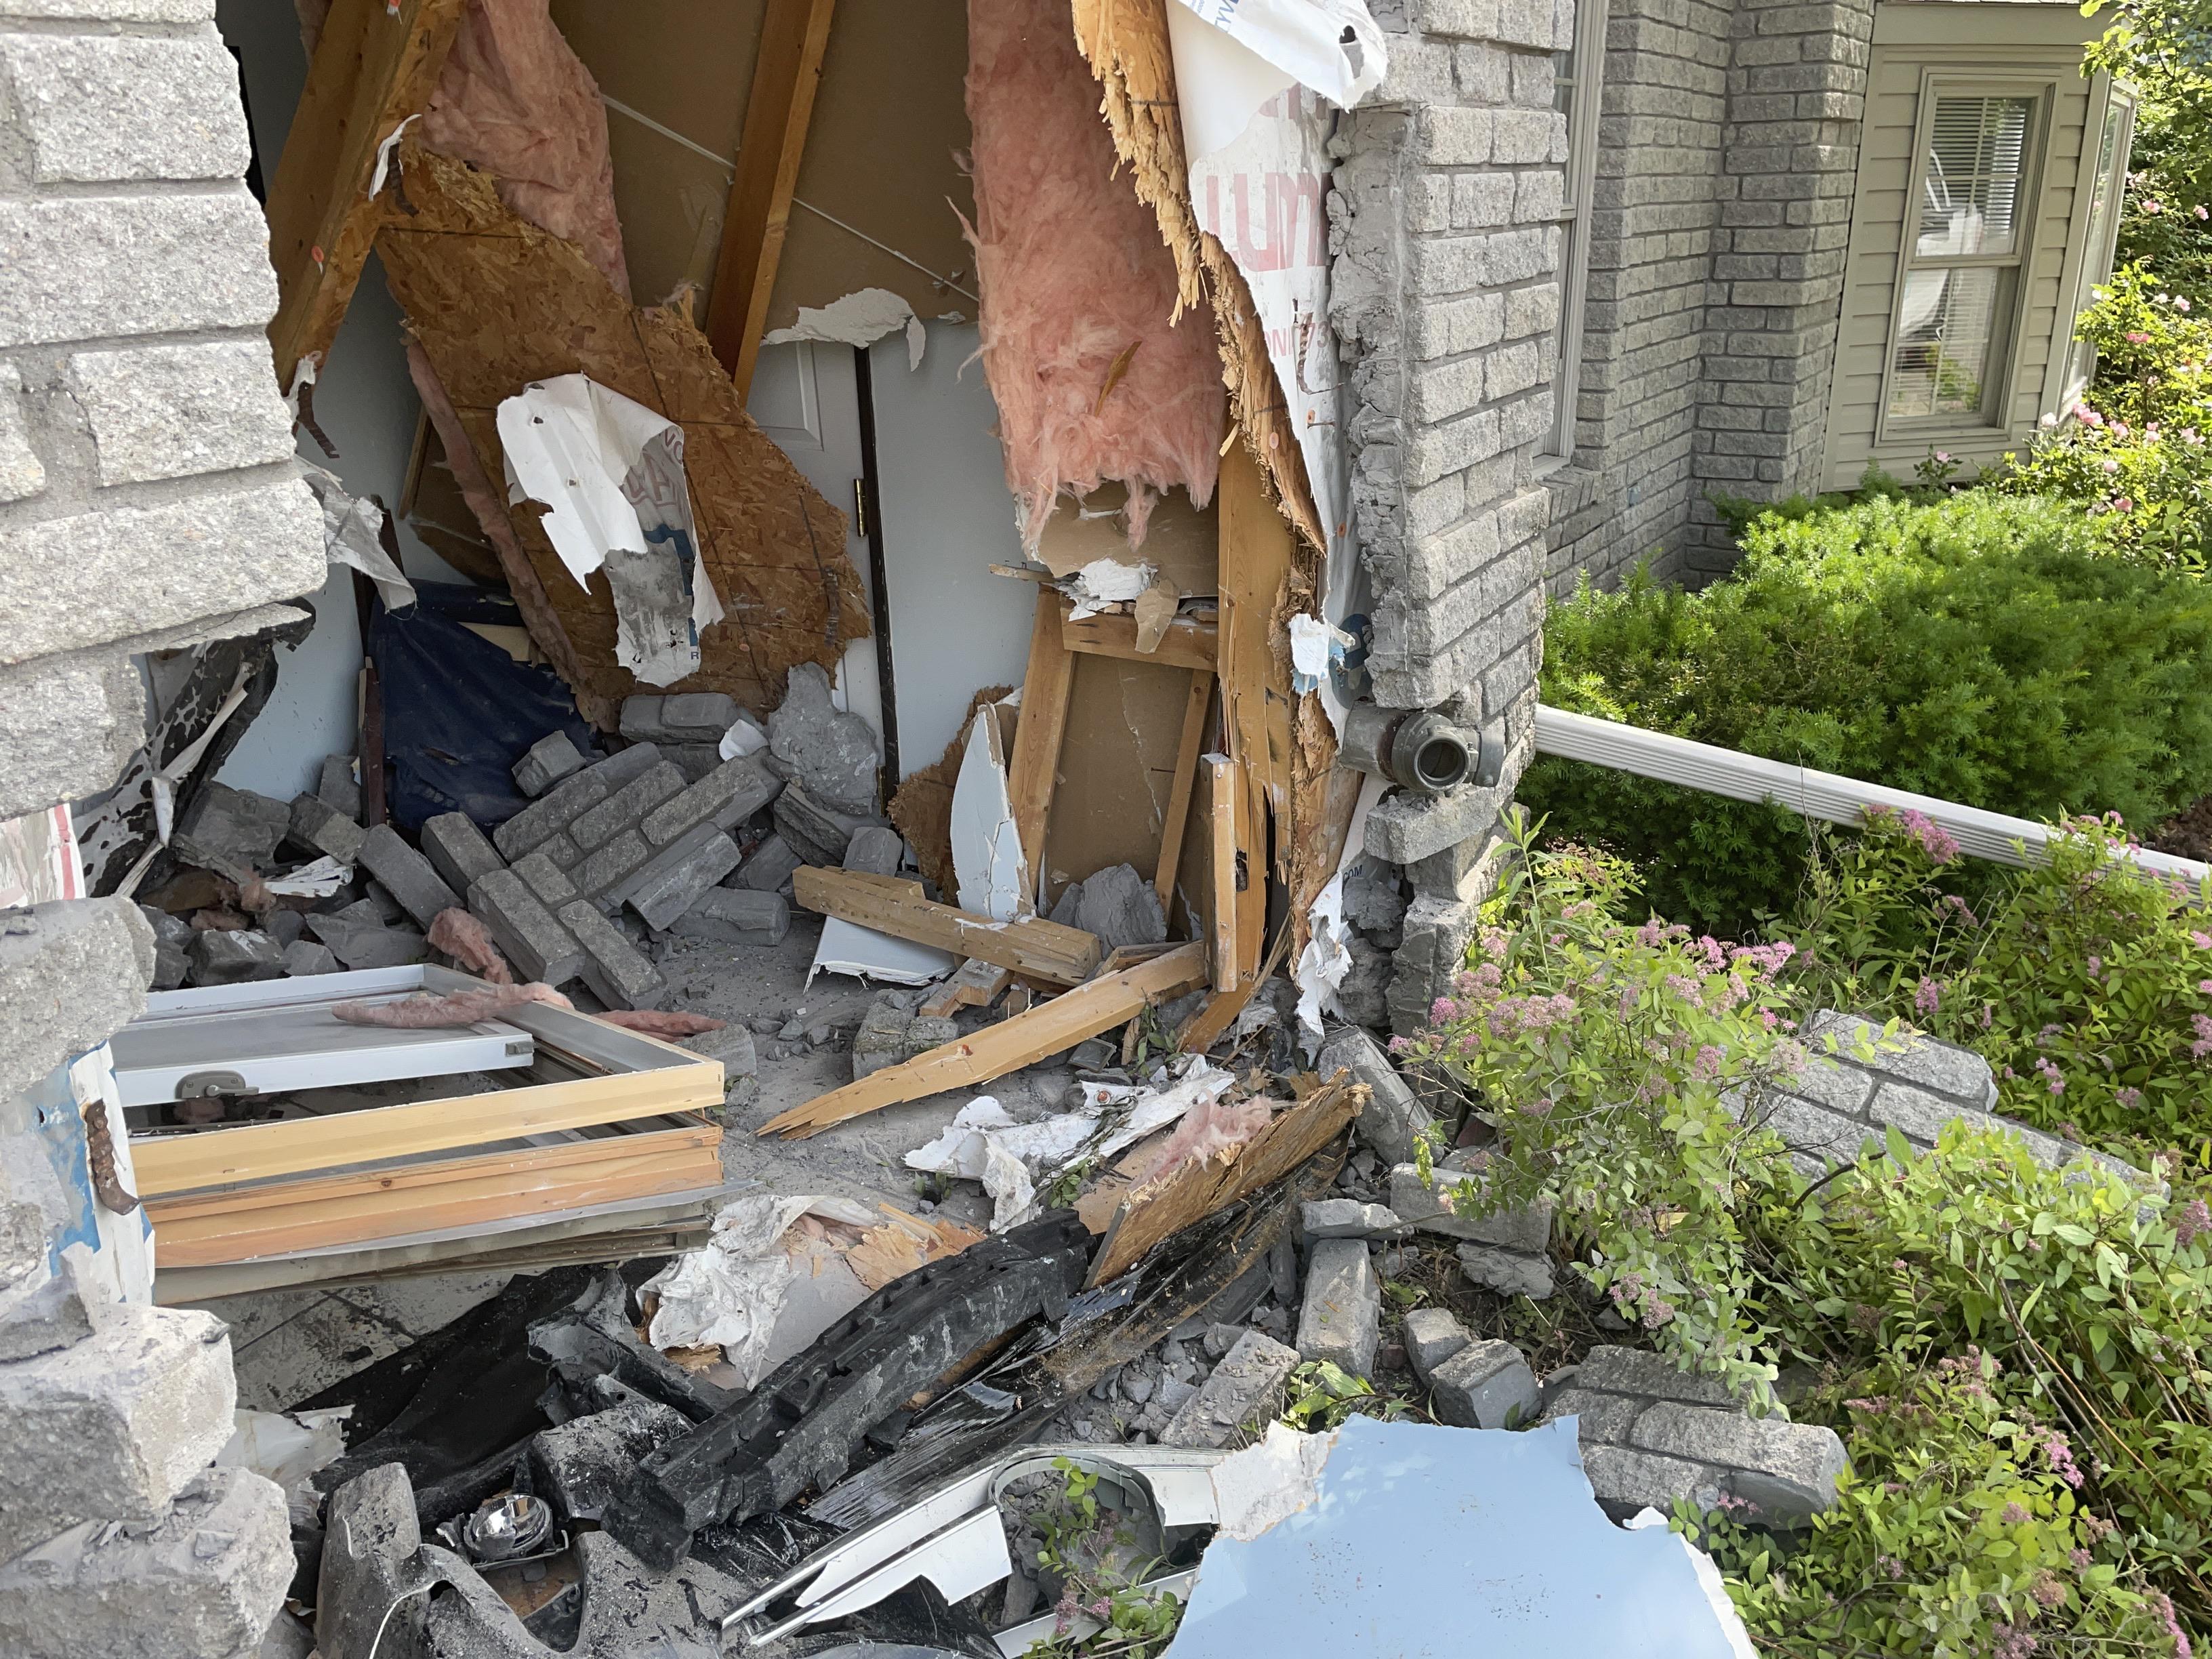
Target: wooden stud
(1033, 771)
(786, 72)
(1223, 903)
(1188, 643)
(1256, 559)
(374, 66)
(995, 1050)
(1033, 947)
(1187, 753)
(977, 985)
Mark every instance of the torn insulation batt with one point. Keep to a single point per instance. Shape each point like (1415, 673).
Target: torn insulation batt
(1095, 379)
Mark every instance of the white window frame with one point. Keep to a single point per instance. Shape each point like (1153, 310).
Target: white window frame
(1588, 81)
(1997, 394)
(2075, 364)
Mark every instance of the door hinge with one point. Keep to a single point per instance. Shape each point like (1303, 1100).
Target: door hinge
(860, 509)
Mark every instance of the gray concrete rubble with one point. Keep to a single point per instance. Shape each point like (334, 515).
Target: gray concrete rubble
(231, 829)
(1348, 1217)
(1482, 1385)
(1245, 1390)
(548, 760)
(1117, 904)
(1652, 1433)
(828, 751)
(1431, 1336)
(1340, 1319)
(1393, 1118)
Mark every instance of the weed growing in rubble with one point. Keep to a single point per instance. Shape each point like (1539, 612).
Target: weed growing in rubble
(1104, 1611)
(1322, 1395)
(1607, 1056)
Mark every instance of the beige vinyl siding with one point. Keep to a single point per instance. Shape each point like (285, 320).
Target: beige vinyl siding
(1899, 75)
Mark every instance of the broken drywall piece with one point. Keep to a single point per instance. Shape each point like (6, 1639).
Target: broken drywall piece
(1155, 609)
(986, 842)
(849, 948)
(1107, 581)
(350, 537)
(1259, 1488)
(1326, 958)
(746, 736)
(1315, 645)
(610, 474)
(857, 320)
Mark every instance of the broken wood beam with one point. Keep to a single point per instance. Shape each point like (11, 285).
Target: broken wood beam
(1187, 754)
(1188, 643)
(373, 68)
(1033, 770)
(975, 985)
(1043, 950)
(1160, 1209)
(1045, 1031)
(787, 73)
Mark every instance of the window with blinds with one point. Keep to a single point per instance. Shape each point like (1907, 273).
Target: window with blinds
(1962, 260)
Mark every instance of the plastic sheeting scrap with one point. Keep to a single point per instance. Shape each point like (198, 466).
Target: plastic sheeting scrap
(847, 947)
(286, 1446)
(1315, 645)
(1459, 1541)
(1326, 960)
(1334, 47)
(730, 1292)
(611, 472)
(746, 736)
(857, 320)
(318, 880)
(350, 537)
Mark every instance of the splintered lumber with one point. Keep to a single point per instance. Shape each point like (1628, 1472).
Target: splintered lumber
(1221, 933)
(1008, 1046)
(1034, 768)
(374, 66)
(977, 985)
(787, 73)
(1160, 1209)
(1048, 950)
(1188, 643)
(1204, 1029)
(1187, 753)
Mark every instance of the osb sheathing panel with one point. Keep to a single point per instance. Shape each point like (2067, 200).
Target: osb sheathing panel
(498, 303)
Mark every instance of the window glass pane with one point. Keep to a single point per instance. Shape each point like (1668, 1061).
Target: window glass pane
(1947, 340)
(1977, 157)
(2097, 257)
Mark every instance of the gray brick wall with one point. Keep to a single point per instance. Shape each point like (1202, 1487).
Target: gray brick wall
(148, 497)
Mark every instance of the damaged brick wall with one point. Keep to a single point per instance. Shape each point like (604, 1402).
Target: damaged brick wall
(148, 500)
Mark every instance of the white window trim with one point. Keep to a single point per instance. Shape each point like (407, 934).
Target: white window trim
(1559, 448)
(1997, 401)
(2090, 262)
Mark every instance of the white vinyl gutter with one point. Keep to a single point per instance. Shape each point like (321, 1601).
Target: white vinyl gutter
(1813, 794)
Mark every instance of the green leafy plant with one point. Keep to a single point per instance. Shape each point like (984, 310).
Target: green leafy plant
(1105, 1609)
(1323, 1395)
(1979, 648)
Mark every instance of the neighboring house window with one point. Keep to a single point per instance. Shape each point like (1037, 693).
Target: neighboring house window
(2104, 226)
(1579, 70)
(1962, 258)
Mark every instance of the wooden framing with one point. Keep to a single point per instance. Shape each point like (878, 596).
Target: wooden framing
(1033, 771)
(1188, 642)
(1033, 947)
(1186, 784)
(1223, 905)
(787, 73)
(1008, 1046)
(374, 67)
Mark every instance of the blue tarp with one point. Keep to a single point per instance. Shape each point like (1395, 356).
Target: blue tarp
(459, 712)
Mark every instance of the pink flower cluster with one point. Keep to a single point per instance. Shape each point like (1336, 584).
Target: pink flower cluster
(2193, 1223)
(2060, 1456)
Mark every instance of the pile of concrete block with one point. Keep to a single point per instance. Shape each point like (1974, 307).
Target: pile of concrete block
(1651, 1433)
(116, 1537)
(1507, 1252)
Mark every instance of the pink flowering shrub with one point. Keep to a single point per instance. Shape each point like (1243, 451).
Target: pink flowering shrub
(1606, 1055)
(2085, 982)
(2134, 455)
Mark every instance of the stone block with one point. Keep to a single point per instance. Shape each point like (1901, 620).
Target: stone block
(1920, 1115)
(42, 1311)
(21, 473)
(1834, 1086)
(1346, 1218)
(107, 109)
(1245, 1390)
(234, 958)
(335, 785)
(461, 853)
(92, 268)
(881, 1039)
(562, 851)
(876, 850)
(1528, 1230)
(1788, 1469)
(174, 411)
(1508, 1272)
(725, 798)
(769, 869)
(363, 941)
(627, 765)
(694, 760)
(1341, 1317)
(626, 808)
(604, 871)
(543, 876)
(1959, 1073)
(548, 760)
(616, 970)
(817, 832)
(1485, 1385)
(527, 932)
(735, 915)
(304, 958)
(111, 1428)
(202, 1583)
(551, 813)
(812, 742)
(681, 717)
(1392, 1117)
(679, 875)
(732, 1045)
(1117, 904)
(1625, 1480)
(1432, 1336)
(1636, 1371)
(226, 828)
(72, 726)
(409, 878)
(320, 827)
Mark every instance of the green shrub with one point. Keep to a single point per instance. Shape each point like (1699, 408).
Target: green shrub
(1978, 649)
(2135, 454)
(2085, 982)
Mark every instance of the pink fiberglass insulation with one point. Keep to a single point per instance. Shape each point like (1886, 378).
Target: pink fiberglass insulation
(469, 942)
(660, 1022)
(1213, 1128)
(1092, 381)
(424, 1011)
